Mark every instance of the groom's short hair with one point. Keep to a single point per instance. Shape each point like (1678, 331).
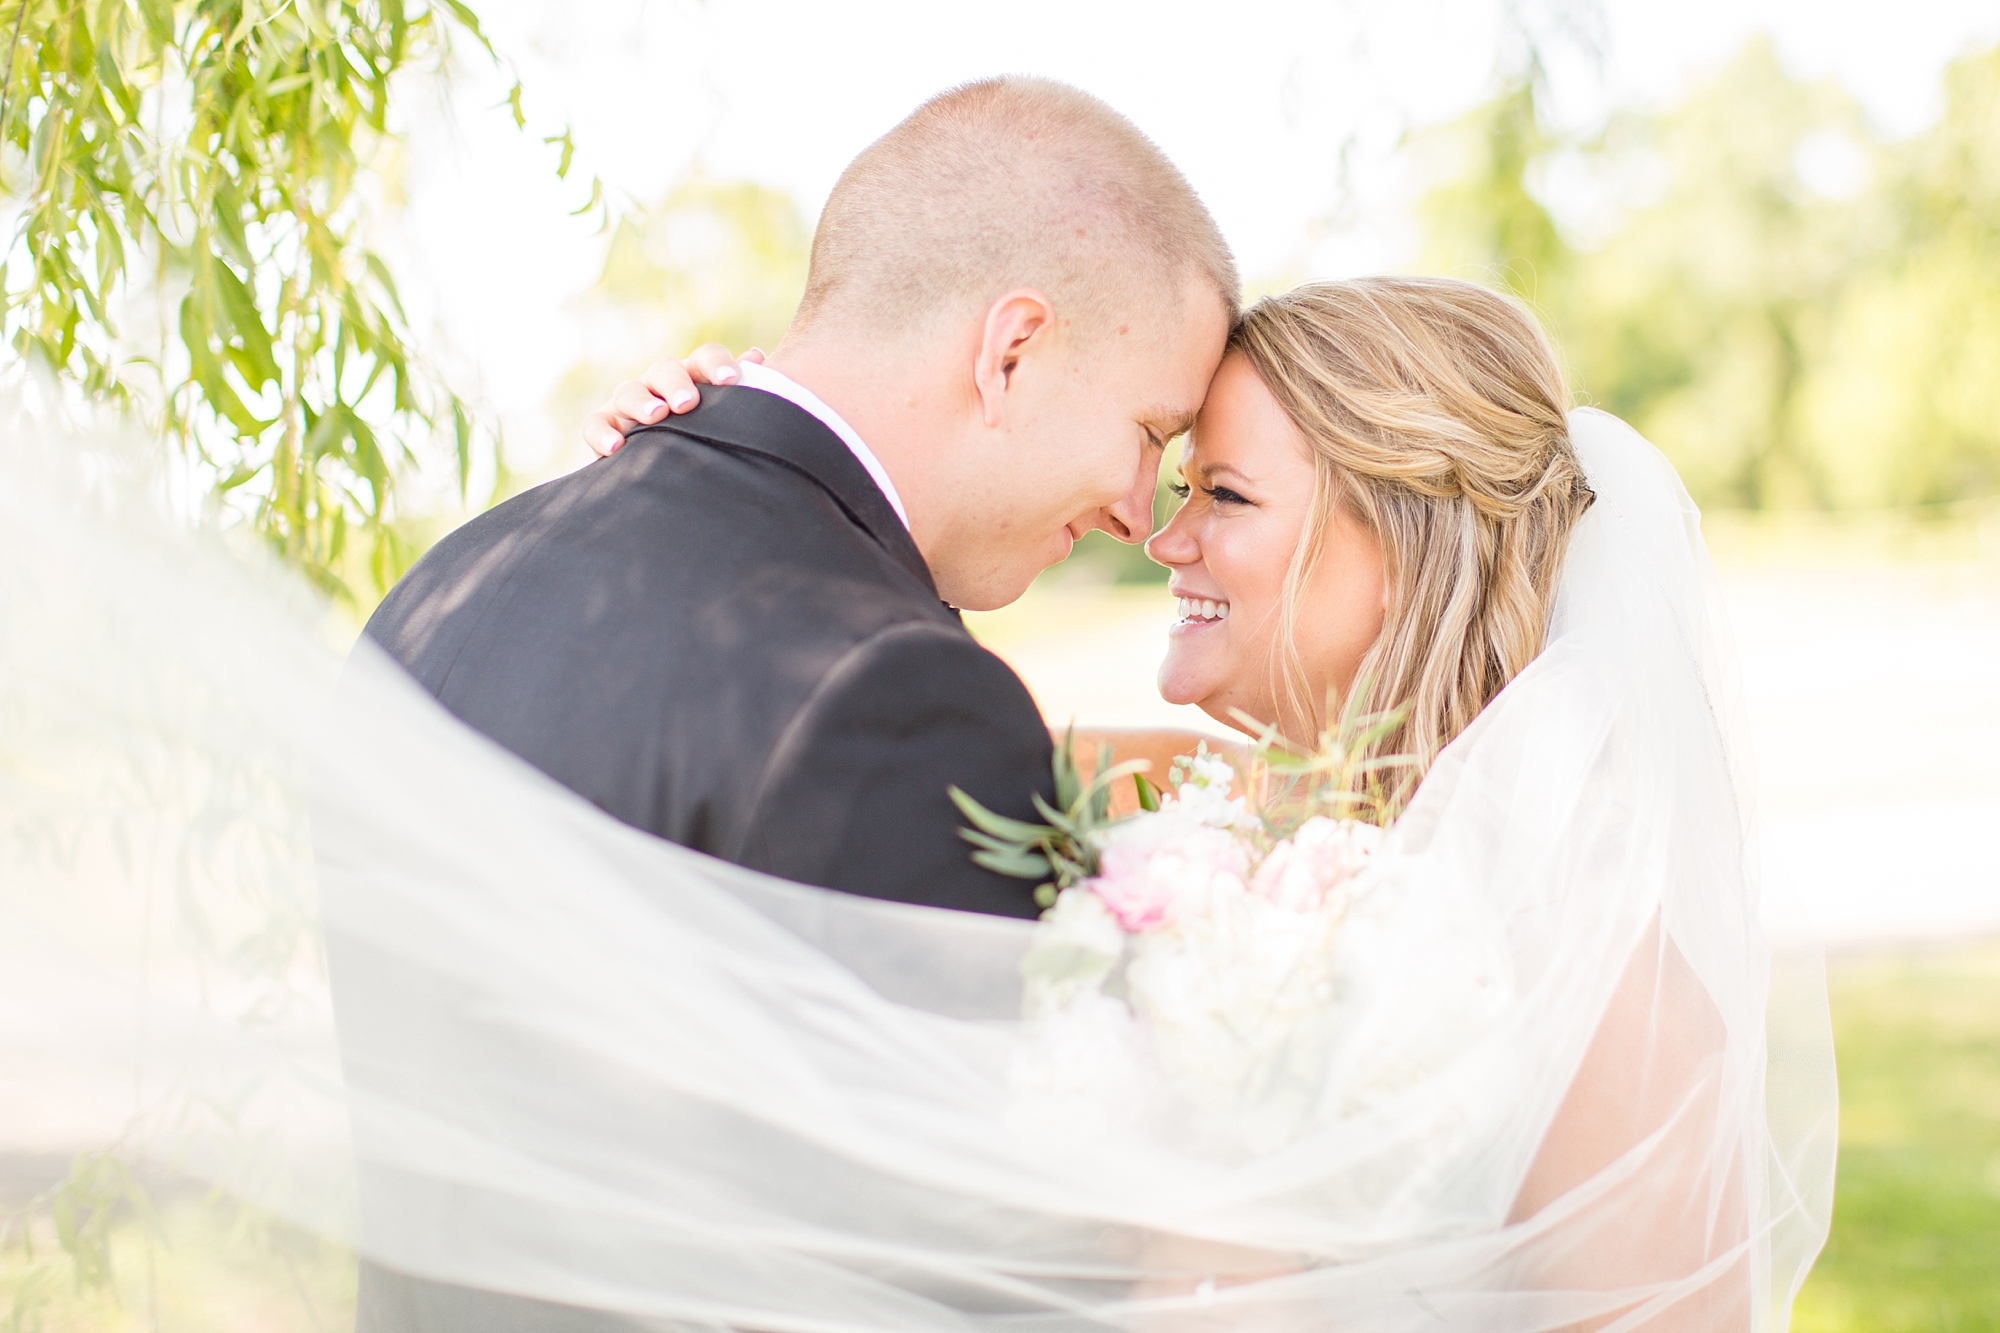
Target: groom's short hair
(1005, 183)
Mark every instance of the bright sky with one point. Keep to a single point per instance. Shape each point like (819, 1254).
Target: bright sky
(1255, 100)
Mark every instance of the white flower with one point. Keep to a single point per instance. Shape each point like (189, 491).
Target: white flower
(1075, 947)
(1083, 1067)
(1204, 796)
(1232, 995)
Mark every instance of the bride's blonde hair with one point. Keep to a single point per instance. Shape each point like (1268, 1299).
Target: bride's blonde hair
(1437, 413)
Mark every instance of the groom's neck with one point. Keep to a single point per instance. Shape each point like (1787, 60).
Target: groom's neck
(895, 400)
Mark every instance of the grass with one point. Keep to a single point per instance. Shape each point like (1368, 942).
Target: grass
(1916, 1219)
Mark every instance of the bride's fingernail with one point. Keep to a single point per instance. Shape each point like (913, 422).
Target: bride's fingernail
(725, 374)
(683, 400)
(609, 441)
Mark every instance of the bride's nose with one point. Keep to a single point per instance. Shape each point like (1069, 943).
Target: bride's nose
(1174, 545)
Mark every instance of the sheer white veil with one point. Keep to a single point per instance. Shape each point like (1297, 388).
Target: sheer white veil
(276, 923)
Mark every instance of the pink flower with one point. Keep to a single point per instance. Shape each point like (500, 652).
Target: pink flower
(1135, 896)
(1301, 871)
(1142, 874)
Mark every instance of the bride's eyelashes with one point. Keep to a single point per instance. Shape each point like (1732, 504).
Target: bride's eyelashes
(1221, 495)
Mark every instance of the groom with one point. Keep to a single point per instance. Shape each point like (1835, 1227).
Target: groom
(738, 632)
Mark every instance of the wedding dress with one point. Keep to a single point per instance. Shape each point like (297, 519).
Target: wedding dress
(1573, 1085)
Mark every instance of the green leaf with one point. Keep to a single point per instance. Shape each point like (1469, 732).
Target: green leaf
(986, 821)
(1100, 786)
(1058, 819)
(245, 322)
(1018, 865)
(461, 426)
(327, 432)
(1067, 781)
(568, 152)
(1099, 792)
(380, 272)
(158, 16)
(467, 20)
(986, 842)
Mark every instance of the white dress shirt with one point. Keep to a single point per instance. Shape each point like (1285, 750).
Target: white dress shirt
(754, 376)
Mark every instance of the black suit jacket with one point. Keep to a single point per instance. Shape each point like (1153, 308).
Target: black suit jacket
(724, 635)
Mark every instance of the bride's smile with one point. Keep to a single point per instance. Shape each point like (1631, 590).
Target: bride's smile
(1252, 494)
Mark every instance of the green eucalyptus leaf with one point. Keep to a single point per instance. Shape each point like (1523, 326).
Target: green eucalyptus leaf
(1059, 820)
(997, 825)
(1018, 865)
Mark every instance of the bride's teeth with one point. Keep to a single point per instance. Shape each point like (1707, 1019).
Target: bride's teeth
(1202, 608)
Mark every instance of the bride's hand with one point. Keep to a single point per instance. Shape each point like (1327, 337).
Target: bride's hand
(665, 388)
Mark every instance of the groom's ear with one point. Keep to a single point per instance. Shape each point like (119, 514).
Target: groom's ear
(1018, 322)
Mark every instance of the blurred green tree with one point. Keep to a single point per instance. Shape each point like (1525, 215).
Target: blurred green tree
(1699, 319)
(1481, 214)
(1801, 314)
(192, 182)
(1905, 403)
(720, 261)
(711, 260)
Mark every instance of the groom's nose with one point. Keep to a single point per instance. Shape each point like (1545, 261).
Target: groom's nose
(1130, 520)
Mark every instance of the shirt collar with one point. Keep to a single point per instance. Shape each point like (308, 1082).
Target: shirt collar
(760, 377)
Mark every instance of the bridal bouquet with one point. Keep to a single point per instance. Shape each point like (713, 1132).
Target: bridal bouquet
(1191, 945)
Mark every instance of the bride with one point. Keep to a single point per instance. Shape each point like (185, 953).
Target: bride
(1379, 497)
(1567, 1089)
(1379, 494)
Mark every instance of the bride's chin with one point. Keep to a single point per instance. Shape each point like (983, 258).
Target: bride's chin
(1177, 685)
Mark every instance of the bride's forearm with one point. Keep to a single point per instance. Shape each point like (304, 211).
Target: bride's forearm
(1159, 747)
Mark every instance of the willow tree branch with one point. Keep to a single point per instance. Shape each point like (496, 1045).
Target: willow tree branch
(13, 49)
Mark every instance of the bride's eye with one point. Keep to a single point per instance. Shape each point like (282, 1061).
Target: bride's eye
(1222, 495)
(1180, 488)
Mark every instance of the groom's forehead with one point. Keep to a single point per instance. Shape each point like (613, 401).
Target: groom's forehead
(1181, 360)
(1170, 419)
(1164, 380)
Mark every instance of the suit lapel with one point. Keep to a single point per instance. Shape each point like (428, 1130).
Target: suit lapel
(765, 424)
